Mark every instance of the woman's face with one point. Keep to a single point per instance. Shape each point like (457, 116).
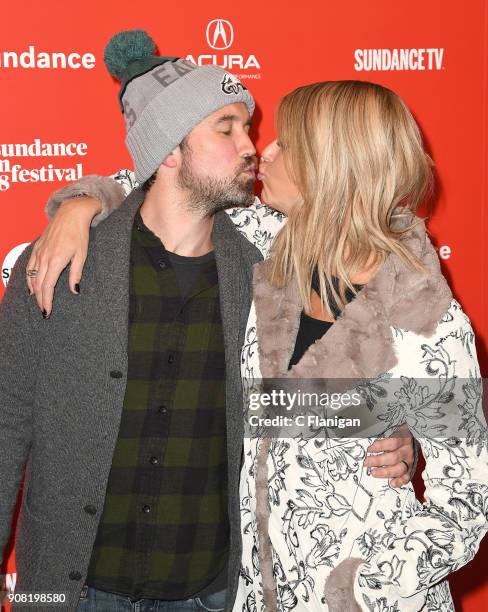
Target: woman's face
(279, 191)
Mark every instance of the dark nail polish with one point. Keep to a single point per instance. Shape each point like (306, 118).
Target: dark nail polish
(44, 314)
(77, 287)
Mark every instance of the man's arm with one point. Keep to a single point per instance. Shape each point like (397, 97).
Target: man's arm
(395, 457)
(72, 210)
(18, 367)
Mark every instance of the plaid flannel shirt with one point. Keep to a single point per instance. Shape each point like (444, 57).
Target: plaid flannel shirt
(164, 531)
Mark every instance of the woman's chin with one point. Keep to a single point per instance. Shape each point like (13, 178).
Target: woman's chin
(266, 199)
(271, 202)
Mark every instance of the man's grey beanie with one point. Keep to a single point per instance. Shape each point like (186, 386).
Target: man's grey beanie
(164, 98)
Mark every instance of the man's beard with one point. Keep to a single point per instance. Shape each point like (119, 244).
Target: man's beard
(208, 195)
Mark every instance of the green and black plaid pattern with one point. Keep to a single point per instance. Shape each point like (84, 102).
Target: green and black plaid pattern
(164, 531)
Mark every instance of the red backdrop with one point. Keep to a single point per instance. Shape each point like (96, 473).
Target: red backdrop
(434, 54)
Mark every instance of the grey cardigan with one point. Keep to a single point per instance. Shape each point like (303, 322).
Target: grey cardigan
(62, 385)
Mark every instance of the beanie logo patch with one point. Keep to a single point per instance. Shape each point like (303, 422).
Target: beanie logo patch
(231, 85)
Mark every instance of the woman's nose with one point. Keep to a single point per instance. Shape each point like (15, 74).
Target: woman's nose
(267, 154)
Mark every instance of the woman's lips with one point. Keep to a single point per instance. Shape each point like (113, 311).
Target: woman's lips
(261, 176)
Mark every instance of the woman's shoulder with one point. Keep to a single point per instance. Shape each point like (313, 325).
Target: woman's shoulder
(453, 340)
(454, 318)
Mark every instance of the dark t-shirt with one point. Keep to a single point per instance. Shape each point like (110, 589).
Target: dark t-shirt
(187, 269)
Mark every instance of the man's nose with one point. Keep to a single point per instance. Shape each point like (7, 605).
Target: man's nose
(248, 149)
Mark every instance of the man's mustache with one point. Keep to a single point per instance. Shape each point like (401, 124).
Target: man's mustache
(248, 166)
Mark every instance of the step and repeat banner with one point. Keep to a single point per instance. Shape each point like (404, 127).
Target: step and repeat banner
(61, 120)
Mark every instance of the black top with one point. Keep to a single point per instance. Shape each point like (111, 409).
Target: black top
(311, 329)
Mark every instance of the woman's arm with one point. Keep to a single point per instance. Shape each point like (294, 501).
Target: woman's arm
(72, 210)
(258, 223)
(418, 548)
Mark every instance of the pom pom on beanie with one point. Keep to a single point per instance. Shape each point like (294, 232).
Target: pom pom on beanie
(126, 47)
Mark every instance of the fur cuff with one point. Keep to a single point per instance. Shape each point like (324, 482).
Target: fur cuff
(103, 188)
(339, 586)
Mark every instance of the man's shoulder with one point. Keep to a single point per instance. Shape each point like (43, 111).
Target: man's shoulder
(118, 223)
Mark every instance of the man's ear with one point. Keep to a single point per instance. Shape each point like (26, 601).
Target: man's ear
(169, 161)
(173, 159)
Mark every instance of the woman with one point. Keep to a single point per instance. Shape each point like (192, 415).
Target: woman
(353, 289)
(349, 169)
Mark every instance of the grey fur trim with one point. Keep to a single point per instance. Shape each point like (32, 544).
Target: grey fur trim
(339, 586)
(360, 343)
(103, 188)
(262, 519)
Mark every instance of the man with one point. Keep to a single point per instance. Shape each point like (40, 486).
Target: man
(125, 400)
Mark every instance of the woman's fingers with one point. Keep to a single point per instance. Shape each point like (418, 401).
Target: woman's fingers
(42, 267)
(76, 270)
(46, 290)
(31, 266)
(64, 241)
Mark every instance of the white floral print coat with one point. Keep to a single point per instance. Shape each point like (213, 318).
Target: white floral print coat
(323, 509)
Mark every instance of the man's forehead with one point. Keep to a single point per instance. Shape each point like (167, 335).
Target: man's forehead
(237, 111)
(234, 112)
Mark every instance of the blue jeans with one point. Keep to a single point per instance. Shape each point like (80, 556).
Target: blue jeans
(93, 600)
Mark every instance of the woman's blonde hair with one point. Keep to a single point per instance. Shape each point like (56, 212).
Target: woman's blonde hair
(355, 153)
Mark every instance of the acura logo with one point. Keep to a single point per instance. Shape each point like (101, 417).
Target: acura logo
(220, 34)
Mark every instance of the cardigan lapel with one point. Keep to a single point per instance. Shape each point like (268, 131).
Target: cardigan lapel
(228, 259)
(112, 252)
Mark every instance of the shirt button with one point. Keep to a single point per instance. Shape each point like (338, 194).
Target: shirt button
(146, 509)
(154, 461)
(116, 374)
(74, 576)
(162, 409)
(171, 358)
(89, 509)
(162, 264)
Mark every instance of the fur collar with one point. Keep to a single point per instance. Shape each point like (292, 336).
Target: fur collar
(360, 343)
